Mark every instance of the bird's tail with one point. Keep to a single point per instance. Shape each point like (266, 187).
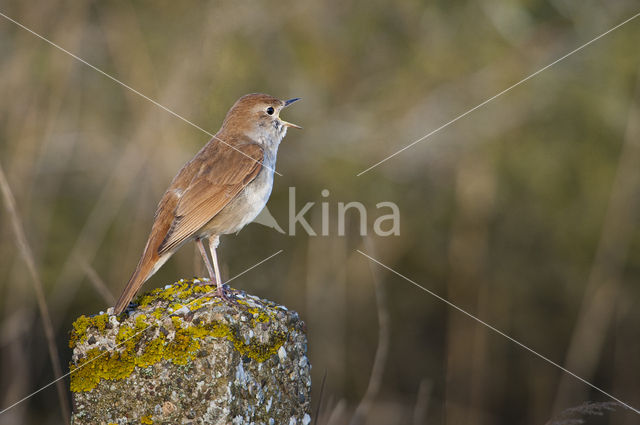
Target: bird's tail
(147, 266)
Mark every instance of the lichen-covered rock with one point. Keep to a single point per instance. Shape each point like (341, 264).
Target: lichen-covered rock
(184, 356)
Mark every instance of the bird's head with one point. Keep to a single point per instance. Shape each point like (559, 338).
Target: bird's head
(257, 115)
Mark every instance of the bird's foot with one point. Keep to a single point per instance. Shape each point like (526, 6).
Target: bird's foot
(224, 293)
(227, 294)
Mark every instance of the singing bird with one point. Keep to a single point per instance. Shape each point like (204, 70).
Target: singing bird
(223, 188)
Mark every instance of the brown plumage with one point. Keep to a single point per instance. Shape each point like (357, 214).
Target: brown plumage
(219, 191)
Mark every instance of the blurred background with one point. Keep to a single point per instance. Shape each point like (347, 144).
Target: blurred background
(523, 213)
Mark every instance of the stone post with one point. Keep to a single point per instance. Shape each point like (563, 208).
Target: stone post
(185, 357)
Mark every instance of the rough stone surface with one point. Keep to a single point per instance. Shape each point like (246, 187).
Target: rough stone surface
(185, 357)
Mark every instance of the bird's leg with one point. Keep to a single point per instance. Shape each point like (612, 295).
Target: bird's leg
(213, 244)
(205, 258)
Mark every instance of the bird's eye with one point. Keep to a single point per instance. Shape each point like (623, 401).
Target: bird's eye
(270, 110)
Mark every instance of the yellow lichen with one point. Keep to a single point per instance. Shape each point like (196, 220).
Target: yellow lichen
(146, 419)
(153, 352)
(83, 323)
(183, 346)
(181, 290)
(136, 350)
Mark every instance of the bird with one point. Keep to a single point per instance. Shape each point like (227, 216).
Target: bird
(219, 191)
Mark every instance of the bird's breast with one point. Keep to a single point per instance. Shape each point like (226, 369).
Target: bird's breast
(244, 207)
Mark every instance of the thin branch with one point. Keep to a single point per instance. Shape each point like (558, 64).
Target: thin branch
(603, 287)
(382, 351)
(324, 380)
(422, 402)
(97, 282)
(337, 413)
(27, 256)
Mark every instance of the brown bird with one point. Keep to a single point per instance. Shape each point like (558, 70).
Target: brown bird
(224, 187)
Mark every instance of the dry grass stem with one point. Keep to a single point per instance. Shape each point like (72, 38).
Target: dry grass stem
(27, 256)
(382, 350)
(603, 287)
(97, 283)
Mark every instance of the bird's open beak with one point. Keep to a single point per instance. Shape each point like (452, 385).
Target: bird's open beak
(290, 101)
(287, 103)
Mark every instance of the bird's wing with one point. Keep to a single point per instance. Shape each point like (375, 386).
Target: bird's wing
(216, 183)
